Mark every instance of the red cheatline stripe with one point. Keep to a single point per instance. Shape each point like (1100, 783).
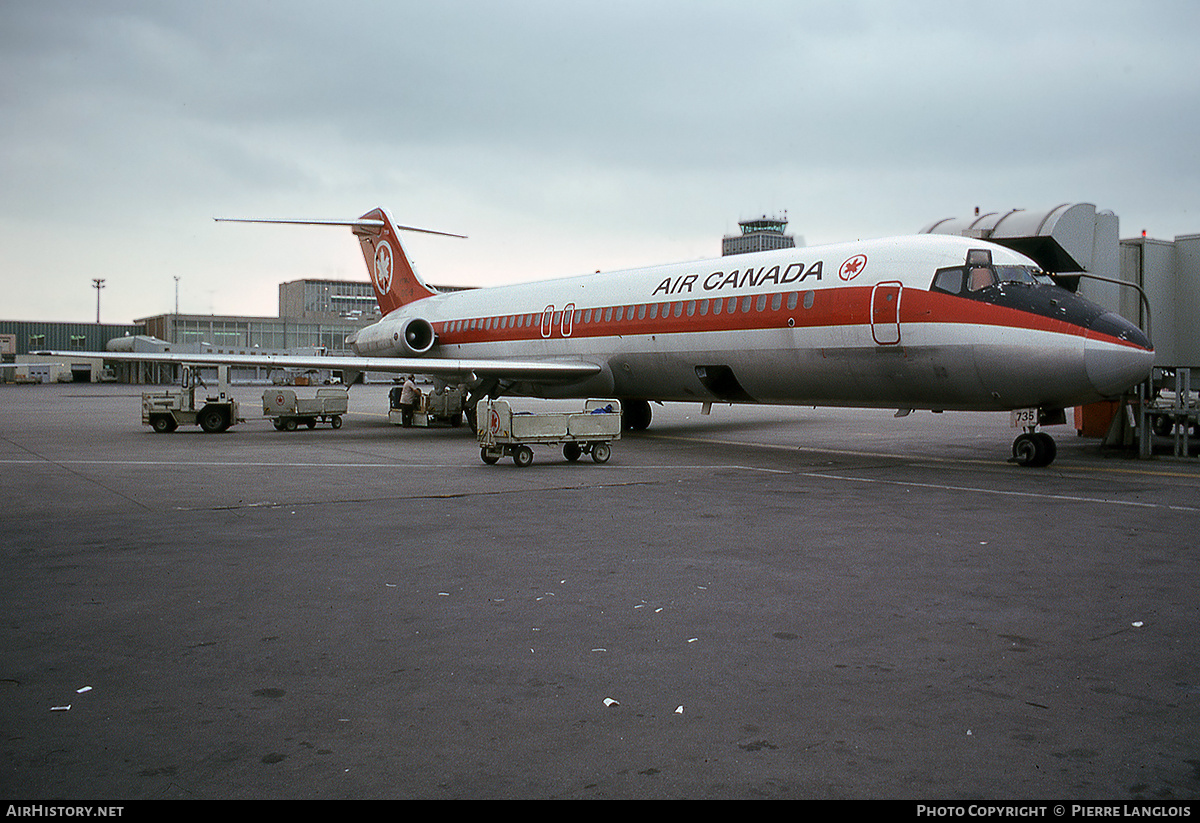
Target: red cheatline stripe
(849, 306)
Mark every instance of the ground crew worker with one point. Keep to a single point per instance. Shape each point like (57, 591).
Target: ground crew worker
(408, 401)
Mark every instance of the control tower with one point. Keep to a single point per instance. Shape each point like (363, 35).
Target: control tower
(760, 234)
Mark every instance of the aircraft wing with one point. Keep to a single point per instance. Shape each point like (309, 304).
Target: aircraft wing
(535, 370)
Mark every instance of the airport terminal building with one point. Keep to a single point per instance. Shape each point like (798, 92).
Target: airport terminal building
(314, 315)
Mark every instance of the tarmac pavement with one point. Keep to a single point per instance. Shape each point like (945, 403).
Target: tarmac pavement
(756, 603)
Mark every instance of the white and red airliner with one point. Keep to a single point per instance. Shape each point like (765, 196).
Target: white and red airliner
(932, 322)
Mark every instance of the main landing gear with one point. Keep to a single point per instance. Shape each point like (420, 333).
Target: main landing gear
(1034, 448)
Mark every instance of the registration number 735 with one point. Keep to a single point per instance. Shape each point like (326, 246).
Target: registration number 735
(1024, 417)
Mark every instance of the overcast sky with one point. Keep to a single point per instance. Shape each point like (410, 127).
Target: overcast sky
(562, 137)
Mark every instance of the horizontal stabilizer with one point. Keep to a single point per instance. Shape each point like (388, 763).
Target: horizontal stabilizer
(395, 281)
(361, 222)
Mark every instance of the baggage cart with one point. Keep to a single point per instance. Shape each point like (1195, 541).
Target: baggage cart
(290, 411)
(433, 407)
(501, 431)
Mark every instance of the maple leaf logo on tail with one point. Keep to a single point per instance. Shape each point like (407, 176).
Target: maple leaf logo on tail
(383, 266)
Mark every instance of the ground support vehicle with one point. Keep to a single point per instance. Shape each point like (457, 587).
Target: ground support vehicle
(165, 411)
(504, 432)
(444, 406)
(1174, 409)
(290, 412)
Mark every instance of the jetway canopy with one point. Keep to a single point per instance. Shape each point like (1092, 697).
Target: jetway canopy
(1071, 237)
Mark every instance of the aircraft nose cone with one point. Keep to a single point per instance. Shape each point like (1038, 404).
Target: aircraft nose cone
(1118, 355)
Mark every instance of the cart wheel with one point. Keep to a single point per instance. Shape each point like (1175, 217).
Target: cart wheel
(572, 451)
(488, 457)
(278, 424)
(523, 456)
(289, 424)
(336, 421)
(311, 422)
(601, 452)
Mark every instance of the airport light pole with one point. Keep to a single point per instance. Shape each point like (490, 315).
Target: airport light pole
(97, 284)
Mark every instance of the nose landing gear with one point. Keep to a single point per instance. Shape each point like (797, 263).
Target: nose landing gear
(1034, 448)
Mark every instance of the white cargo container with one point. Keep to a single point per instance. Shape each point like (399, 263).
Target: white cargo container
(290, 411)
(432, 407)
(501, 431)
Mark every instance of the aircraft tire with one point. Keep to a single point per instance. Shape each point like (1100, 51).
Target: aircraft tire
(1024, 450)
(1034, 449)
(1048, 449)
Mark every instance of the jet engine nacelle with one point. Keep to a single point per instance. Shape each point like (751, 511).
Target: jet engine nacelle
(394, 338)
(416, 336)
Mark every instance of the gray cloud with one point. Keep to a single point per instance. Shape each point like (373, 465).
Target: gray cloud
(562, 137)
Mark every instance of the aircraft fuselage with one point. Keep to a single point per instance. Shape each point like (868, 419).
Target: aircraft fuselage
(893, 323)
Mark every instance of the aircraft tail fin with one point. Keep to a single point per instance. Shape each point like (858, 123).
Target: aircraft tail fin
(393, 277)
(395, 280)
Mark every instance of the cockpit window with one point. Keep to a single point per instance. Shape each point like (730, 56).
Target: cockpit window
(980, 277)
(969, 280)
(948, 280)
(1023, 274)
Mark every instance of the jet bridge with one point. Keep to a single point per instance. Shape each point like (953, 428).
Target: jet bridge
(1071, 237)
